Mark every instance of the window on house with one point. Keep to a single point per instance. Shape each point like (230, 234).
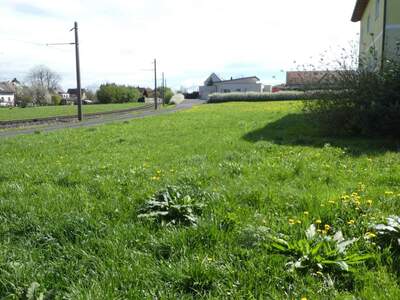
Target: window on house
(227, 91)
(377, 9)
(369, 24)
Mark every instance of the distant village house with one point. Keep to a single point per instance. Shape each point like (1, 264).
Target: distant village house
(298, 80)
(8, 91)
(214, 84)
(73, 94)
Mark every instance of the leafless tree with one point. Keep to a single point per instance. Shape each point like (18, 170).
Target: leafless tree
(44, 78)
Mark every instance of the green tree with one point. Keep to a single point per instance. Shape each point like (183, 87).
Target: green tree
(56, 99)
(168, 93)
(113, 93)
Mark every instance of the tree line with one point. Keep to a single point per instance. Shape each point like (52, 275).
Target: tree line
(42, 85)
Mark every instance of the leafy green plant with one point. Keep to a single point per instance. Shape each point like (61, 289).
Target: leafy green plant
(319, 253)
(388, 235)
(172, 206)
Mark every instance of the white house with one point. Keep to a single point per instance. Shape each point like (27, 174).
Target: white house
(7, 94)
(215, 84)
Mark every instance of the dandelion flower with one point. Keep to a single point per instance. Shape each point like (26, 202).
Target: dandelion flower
(291, 221)
(306, 213)
(388, 193)
(327, 227)
(370, 235)
(318, 221)
(369, 202)
(351, 222)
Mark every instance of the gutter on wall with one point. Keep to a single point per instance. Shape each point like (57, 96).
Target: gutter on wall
(384, 34)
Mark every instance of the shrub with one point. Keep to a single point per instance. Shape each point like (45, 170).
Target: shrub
(56, 99)
(113, 93)
(362, 102)
(254, 97)
(166, 92)
(176, 99)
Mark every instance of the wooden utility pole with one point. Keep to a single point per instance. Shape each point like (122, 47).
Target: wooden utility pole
(155, 84)
(78, 73)
(163, 89)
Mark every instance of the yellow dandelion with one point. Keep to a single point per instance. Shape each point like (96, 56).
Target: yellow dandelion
(370, 235)
(318, 221)
(298, 221)
(388, 193)
(291, 221)
(369, 202)
(303, 298)
(327, 227)
(306, 213)
(351, 222)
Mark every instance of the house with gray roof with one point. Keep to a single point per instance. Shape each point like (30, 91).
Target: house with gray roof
(215, 84)
(7, 93)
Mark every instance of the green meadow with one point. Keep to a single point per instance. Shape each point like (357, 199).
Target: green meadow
(82, 213)
(19, 113)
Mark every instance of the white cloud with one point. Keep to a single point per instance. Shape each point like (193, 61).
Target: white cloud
(190, 38)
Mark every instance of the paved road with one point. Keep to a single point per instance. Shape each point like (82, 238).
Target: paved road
(99, 121)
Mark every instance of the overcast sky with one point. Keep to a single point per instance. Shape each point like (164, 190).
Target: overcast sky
(190, 38)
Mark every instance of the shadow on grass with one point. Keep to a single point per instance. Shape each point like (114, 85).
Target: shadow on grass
(303, 130)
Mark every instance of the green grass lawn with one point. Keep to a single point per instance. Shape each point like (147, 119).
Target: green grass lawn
(70, 203)
(18, 113)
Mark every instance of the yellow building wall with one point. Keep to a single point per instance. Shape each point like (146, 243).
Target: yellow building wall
(371, 34)
(392, 38)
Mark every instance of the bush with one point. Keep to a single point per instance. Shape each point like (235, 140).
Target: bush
(176, 99)
(254, 97)
(363, 102)
(168, 93)
(56, 99)
(113, 93)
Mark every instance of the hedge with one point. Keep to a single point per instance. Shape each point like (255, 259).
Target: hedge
(255, 97)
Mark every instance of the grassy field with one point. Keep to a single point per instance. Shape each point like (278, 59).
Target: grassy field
(76, 222)
(17, 113)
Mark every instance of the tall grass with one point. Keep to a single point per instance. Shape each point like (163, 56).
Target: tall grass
(72, 201)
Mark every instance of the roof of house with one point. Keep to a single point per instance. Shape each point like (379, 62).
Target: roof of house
(309, 77)
(358, 12)
(7, 87)
(75, 91)
(236, 79)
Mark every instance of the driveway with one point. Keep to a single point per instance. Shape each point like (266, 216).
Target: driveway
(187, 104)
